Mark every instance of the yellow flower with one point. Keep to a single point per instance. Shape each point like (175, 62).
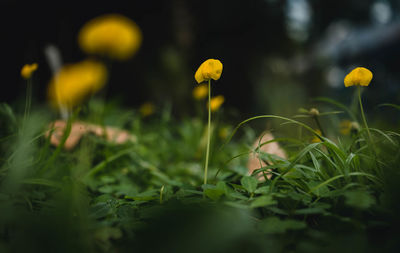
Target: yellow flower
(224, 132)
(210, 69)
(111, 35)
(216, 102)
(345, 127)
(28, 69)
(316, 139)
(74, 82)
(147, 109)
(358, 76)
(200, 92)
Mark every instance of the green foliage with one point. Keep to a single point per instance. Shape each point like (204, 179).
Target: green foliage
(249, 183)
(124, 197)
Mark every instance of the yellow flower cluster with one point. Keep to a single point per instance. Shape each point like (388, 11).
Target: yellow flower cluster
(75, 82)
(110, 35)
(358, 76)
(210, 69)
(28, 69)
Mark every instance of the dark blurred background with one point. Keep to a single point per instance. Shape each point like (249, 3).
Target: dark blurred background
(276, 54)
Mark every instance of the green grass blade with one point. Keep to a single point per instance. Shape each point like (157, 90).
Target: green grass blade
(337, 104)
(41, 181)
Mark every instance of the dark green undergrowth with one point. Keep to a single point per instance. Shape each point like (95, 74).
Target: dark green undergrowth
(337, 195)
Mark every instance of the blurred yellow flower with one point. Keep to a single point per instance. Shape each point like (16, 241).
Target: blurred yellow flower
(210, 69)
(74, 82)
(316, 139)
(111, 35)
(200, 92)
(345, 127)
(358, 76)
(224, 132)
(28, 69)
(147, 109)
(216, 102)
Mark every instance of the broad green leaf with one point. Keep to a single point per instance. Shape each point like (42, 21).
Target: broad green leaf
(262, 190)
(273, 225)
(359, 199)
(249, 183)
(214, 194)
(265, 200)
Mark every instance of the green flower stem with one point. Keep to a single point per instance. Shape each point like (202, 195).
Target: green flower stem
(161, 194)
(363, 115)
(66, 134)
(208, 132)
(319, 125)
(28, 101)
(371, 143)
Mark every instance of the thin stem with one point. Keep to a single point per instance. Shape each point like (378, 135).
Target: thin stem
(28, 101)
(371, 143)
(67, 131)
(319, 125)
(208, 131)
(161, 194)
(363, 115)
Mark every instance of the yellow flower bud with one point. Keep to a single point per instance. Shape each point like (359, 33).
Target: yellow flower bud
(358, 76)
(147, 109)
(216, 102)
(210, 69)
(200, 92)
(74, 82)
(28, 69)
(111, 35)
(314, 112)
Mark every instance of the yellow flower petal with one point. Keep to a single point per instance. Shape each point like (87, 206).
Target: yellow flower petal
(200, 92)
(216, 102)
(210, 69)
(28, 69)
(74, 82)
(111, 35)
(358, 76)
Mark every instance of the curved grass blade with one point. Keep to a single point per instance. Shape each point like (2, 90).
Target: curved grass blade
(337, 104)
(102, 164)
(397, 107)
(384, 135)
(371, 177)
(41, 181)
(268, 116)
